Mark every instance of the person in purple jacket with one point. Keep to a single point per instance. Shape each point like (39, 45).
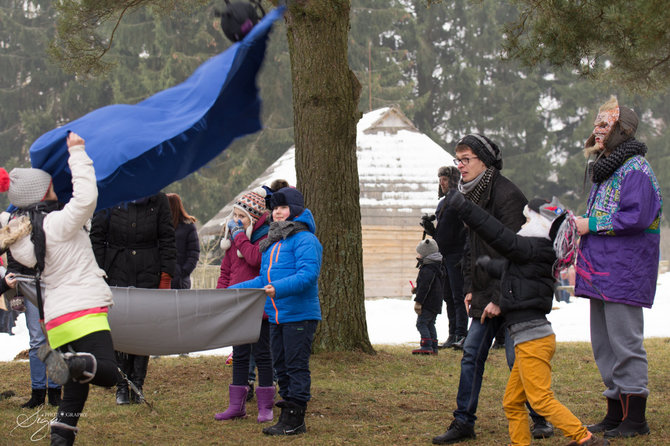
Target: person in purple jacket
(618, 265)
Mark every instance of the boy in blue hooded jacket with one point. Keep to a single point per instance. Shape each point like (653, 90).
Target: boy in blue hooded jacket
(289, 274)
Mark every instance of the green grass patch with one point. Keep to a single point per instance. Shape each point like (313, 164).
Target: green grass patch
(391, 398)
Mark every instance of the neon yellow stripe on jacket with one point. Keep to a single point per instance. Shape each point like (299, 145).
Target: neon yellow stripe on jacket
(77, 328)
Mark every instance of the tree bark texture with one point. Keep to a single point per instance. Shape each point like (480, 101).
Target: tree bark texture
(325, 108)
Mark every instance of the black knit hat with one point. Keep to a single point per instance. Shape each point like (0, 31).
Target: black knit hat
(291, 197)
(485, 149)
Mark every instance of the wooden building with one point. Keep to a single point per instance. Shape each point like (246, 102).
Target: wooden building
(397, 168)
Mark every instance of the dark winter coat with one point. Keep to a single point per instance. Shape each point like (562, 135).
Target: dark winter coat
(503, 200)
(188, 253)
(449, 230)
(135, 242)
(526, 279)
(429, 289)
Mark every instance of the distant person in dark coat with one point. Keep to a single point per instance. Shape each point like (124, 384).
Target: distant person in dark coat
(135, 244)
(429, 294)
(449, 233)
(187, 242)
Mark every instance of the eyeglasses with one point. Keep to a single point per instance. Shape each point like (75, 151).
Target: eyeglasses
(465, 160)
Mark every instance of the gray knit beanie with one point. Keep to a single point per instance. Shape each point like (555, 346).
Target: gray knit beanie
(27, 186)
(426, 247)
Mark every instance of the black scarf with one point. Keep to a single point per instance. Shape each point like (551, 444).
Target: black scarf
(603, 167)
(36, 213)
(281, 230)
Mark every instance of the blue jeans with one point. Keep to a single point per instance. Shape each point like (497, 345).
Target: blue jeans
(38, 371)
(475, 351)
(291, 345)
(425, 323)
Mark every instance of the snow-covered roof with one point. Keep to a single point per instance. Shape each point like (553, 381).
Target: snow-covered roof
(397, 169)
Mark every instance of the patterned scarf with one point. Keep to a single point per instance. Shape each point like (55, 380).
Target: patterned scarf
(603, 167)
(281, 230)
(473, 192)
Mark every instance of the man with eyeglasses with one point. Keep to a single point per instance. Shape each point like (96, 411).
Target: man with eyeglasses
(479, 161)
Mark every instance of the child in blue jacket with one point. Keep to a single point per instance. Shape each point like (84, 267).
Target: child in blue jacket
(289, 274)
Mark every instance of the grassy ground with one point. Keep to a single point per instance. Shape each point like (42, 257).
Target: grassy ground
(391, 398)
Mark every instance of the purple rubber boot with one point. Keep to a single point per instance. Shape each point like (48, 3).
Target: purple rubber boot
(236, 406)
(266, 400)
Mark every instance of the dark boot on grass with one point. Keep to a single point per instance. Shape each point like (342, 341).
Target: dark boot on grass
(449, 342)
(122, 397)
(250, 395)
(456, 433)
(458, 343)
(36, 399)
(634, 421)
(54, 396)
(542, 429)
(62, 434)
(425, 349)
(435, 346)
(237, 396)
(612, 418)
(291, 420)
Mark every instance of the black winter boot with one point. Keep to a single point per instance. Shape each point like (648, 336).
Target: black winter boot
(250, 394)
(435, 346)
(122, 394)
(612, 418)
(449, 342)
(542, 429)
(634, 422)
(456, 433)
(62, 434)
(291, 420)
(54, 396)
(36, 399)
(139, 373)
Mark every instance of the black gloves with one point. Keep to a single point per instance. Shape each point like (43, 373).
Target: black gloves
(427, 224)
(455, 199)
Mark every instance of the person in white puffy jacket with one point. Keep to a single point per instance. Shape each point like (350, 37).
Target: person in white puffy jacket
(76, 297)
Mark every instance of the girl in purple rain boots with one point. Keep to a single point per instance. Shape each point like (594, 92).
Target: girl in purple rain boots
(247, 226)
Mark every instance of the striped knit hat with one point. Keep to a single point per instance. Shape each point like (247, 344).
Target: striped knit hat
(252, 203)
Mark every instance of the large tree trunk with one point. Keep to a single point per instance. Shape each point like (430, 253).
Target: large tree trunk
(325, 103)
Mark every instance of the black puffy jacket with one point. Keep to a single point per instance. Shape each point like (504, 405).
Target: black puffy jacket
(429, 288)
(134, 242)
(526, 279)
(503, 200)
(188, 253)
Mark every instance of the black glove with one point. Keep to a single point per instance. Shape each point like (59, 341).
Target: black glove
(482, 261)
(455, 199)
(427, 224)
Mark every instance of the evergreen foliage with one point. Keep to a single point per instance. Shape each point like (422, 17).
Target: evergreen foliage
(442, 62)
(622, 42)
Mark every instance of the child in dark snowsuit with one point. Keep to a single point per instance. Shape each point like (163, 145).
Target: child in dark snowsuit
(429, 293)
(527, 281)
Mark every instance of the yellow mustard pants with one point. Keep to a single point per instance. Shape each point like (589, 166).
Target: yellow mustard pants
(531, 380)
